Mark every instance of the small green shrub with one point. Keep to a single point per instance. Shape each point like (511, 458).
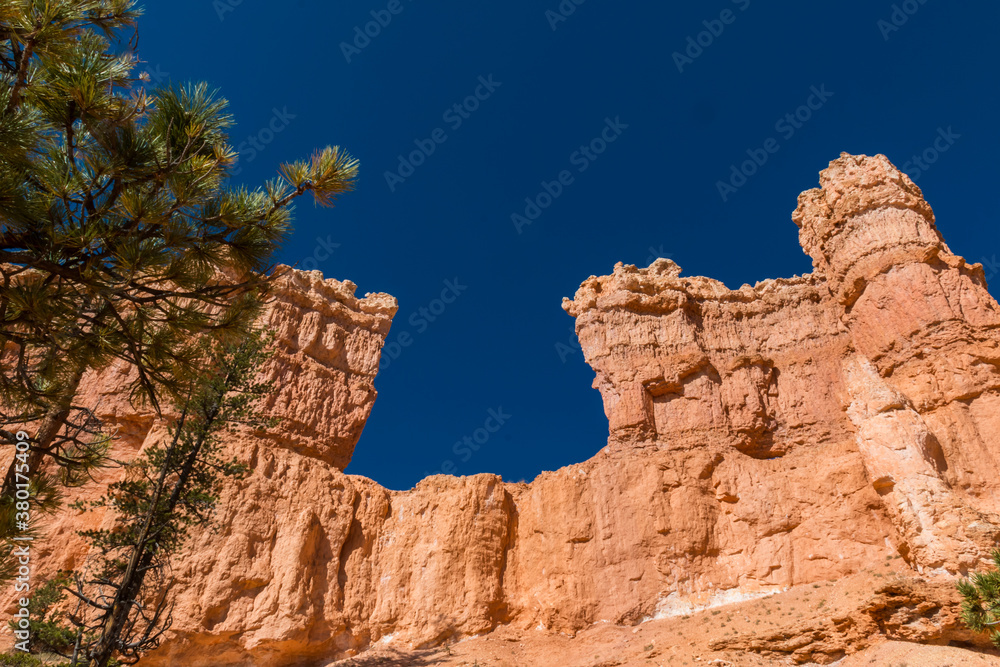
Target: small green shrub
(20, 659)
(981, 600)
(48, 632)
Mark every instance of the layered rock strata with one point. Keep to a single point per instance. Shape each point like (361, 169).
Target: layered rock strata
(786, 433)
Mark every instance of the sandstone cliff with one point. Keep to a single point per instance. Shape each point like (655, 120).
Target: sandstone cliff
(793, 432)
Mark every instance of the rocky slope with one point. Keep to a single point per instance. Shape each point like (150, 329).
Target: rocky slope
(762, 441)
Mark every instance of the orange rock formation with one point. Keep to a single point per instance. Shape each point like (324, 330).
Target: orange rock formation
(761, 439)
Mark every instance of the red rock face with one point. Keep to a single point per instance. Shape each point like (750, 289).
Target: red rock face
(866, 367)
(762, 438)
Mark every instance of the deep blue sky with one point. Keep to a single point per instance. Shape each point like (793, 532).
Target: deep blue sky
(652, 192)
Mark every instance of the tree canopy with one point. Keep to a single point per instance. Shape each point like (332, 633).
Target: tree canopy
(122, 238)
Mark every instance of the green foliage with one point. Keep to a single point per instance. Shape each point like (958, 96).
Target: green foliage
(981, 600)
(123, 241)
(121, 238)
(221, 402)
(50, 632)
(171, 488)
(19, 659)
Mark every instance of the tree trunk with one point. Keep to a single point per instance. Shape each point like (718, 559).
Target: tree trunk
(48, 429)
(135, 574)
(55, 417)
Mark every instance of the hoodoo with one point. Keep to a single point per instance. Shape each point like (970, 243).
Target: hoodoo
(827, 442)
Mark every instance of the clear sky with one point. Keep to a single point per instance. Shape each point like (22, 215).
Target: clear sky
(631, 126)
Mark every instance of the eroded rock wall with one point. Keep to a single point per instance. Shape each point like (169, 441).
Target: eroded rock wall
(887, 353)
(265, 564)
(786, 433)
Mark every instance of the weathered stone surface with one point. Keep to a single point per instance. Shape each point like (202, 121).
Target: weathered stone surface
(265, 566)
(761, 440)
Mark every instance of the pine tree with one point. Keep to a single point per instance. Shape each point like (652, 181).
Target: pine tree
(49, 631)
(124, 604)
(120, 236)
(981, 600)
